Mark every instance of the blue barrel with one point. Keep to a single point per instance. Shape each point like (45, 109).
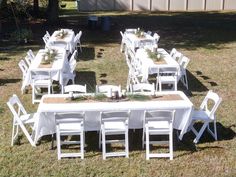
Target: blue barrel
(106, 23)
(92, 22)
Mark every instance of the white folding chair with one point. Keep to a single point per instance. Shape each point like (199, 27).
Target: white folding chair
(177, 56)
(183, 63)
(77, 41)
(149, 33)
(158, 122)
(70, 74)
(167, 75)
(156, 37)
(143, 88)
(24, 68)
(75, 88)
(134, 75)
(47, 34)
(31, 54)
(108, 90)
(172, 52)
(40, 79)
(206, 114)
(123, 42)
(20, 119)
(70, 124)
(28, 59)
(45, 40)
(114, 123)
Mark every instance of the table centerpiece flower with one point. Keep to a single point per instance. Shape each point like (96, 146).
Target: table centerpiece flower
(153, 54)
(139, 33)
(49, 56)
(62, 33)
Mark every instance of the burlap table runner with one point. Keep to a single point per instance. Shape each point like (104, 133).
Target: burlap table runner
(170, 97)
(58, 100)
(160, 62)
(45, 65)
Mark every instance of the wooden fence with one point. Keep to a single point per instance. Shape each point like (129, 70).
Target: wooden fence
(156, 5)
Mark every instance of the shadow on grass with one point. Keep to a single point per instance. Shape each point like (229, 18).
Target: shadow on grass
(223, 133)
(8, 81)
(88, 78)
(87, 54)
(181, 30)
(135, 141)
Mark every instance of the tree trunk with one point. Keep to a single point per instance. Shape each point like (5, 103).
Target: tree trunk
(3, 4)
(53, 11)
(36, 7)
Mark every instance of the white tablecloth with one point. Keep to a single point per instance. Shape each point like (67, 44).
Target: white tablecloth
(133, 42)
(45, 122)
(68, 39)
(59, 65)
(148, 65)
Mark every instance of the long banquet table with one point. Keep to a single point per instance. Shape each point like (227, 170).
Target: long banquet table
(45, 122)
(68, 39)
(59, 65)
(133, 42)
(150, 67)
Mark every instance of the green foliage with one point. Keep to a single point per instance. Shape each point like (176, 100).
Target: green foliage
(153, 55)
(1, 110)
(21, 35)
(138, 97)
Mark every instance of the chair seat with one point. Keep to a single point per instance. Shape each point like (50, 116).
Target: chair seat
(70, 127)
(42, 82)
(158, 124)
(27, 118)
(114, 126)
(200, 115)
(160, 127)
(167, 78)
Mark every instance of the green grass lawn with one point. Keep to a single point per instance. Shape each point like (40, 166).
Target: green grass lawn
(208, 39)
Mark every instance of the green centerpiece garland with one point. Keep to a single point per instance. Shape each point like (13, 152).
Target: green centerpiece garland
(104, 98)
(153, 55)
(49, 56)
(140, 33)
(61, 34)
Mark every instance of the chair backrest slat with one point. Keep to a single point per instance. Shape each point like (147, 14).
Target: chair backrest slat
(159, 115)
(215, 98)
(75, 88)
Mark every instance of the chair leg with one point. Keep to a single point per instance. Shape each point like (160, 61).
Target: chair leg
(171, 144)
(186, 80)
(175, 85)
(147, 144)
(215, 130)
(58, 144)
(82, 144)
(160, 86)
(200, 132)
(213, 133)
(127, 143)
(103, 145)
(52, 143)
(13, 133)
(143, 138)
